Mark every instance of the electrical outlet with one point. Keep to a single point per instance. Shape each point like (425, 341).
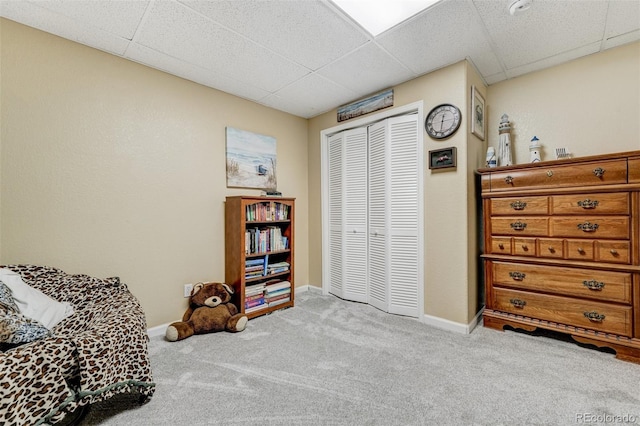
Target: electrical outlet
(187, 290)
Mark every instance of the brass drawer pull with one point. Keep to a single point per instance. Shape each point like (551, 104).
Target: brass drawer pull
(518, 276)
(580, 250)
(593, 316)
(501, 246)
(588, 204)
(613, 252)
(588, 226)
(549, 173)
(593, 285)
(599, 172)
(518, 226)
(518, 303)
(508, 180)
(518, 205)
(551, 249)
(525, 247)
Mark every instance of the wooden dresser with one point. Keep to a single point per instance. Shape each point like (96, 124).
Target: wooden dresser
(562, 249)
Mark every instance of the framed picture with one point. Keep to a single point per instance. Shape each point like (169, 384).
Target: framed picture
(442, 158)
(365, 106)
(251, 160)
(477, 113)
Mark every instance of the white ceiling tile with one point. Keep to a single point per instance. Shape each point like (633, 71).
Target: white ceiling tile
(117, 17)
(307, 32)
(547, 29)
(495, 78)
(629, 37)
(554, 60)
(194, 73)
(444, 34)
(315, 94)
(623, 17)
(34, 16)
(368, 69)
(180, 32)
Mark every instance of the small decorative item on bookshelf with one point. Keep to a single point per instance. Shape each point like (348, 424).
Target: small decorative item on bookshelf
(271, 193)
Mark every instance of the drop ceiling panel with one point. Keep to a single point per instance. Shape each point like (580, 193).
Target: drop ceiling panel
(306, 32)
(368, 69)
(44, 19)
(312, 94)
(547, 29)
(116, 17)
(442, 35)
(554, 60)
(194, 73)
(623, 17)
(186, 35)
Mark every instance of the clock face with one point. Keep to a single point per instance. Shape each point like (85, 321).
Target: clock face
(443, 121)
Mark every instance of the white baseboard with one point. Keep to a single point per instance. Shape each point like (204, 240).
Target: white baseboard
(448, 325)
(158, 330)
(310, 288)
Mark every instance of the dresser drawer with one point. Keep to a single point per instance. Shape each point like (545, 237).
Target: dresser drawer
(501, 245)
(551, 247)
(520, 226)
(610, 203)
(612, 251)
(606, 172)
(634, 170)
(520, 205)
(580, 250)
(593, 284)
(605, 227)
(587, 314)
(524, 246)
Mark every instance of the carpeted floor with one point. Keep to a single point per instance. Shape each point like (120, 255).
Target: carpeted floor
(331, 362)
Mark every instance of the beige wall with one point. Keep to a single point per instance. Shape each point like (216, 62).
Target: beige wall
(112, 168)
(590, 105)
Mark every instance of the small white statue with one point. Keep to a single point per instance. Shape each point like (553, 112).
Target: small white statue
(504, 148)
(534, 149)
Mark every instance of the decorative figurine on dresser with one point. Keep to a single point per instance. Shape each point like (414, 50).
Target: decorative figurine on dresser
(562, 249)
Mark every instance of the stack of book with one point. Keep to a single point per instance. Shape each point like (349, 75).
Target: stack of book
(254, 268)
(257, 240)
(277, 292)
(277, 267)
(254, 299)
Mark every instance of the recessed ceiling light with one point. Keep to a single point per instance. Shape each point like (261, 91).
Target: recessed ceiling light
(377, 16)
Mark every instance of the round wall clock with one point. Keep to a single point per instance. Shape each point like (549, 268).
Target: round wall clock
(443, 121)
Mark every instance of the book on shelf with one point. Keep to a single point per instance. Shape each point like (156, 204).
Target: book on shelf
(254, 296)
(278, 302)
(278, 285)
(255, 308)
(255, 302)
(285, 291)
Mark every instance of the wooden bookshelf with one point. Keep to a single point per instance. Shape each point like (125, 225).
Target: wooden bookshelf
(259, 248)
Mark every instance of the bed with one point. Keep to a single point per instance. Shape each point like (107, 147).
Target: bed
(100, 350)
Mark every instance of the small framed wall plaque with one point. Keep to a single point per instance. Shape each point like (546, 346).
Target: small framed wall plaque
(442, 158)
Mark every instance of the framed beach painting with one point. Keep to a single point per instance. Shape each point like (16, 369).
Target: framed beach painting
(251, 160)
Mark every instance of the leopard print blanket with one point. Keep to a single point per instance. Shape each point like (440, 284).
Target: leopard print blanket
(96, 353)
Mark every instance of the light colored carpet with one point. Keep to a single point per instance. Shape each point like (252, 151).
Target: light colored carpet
(331, 362)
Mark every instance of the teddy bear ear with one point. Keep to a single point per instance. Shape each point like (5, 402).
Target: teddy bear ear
(229, 289)
(197, 288)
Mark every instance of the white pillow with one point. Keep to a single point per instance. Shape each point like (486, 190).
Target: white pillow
(34, 304)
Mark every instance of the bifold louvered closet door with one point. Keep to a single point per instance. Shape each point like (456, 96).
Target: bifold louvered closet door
(374, 214)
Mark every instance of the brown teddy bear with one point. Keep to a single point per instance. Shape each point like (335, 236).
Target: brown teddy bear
(209, 311)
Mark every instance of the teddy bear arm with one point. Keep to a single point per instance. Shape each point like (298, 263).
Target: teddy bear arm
(187, 314)
(232, 309)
